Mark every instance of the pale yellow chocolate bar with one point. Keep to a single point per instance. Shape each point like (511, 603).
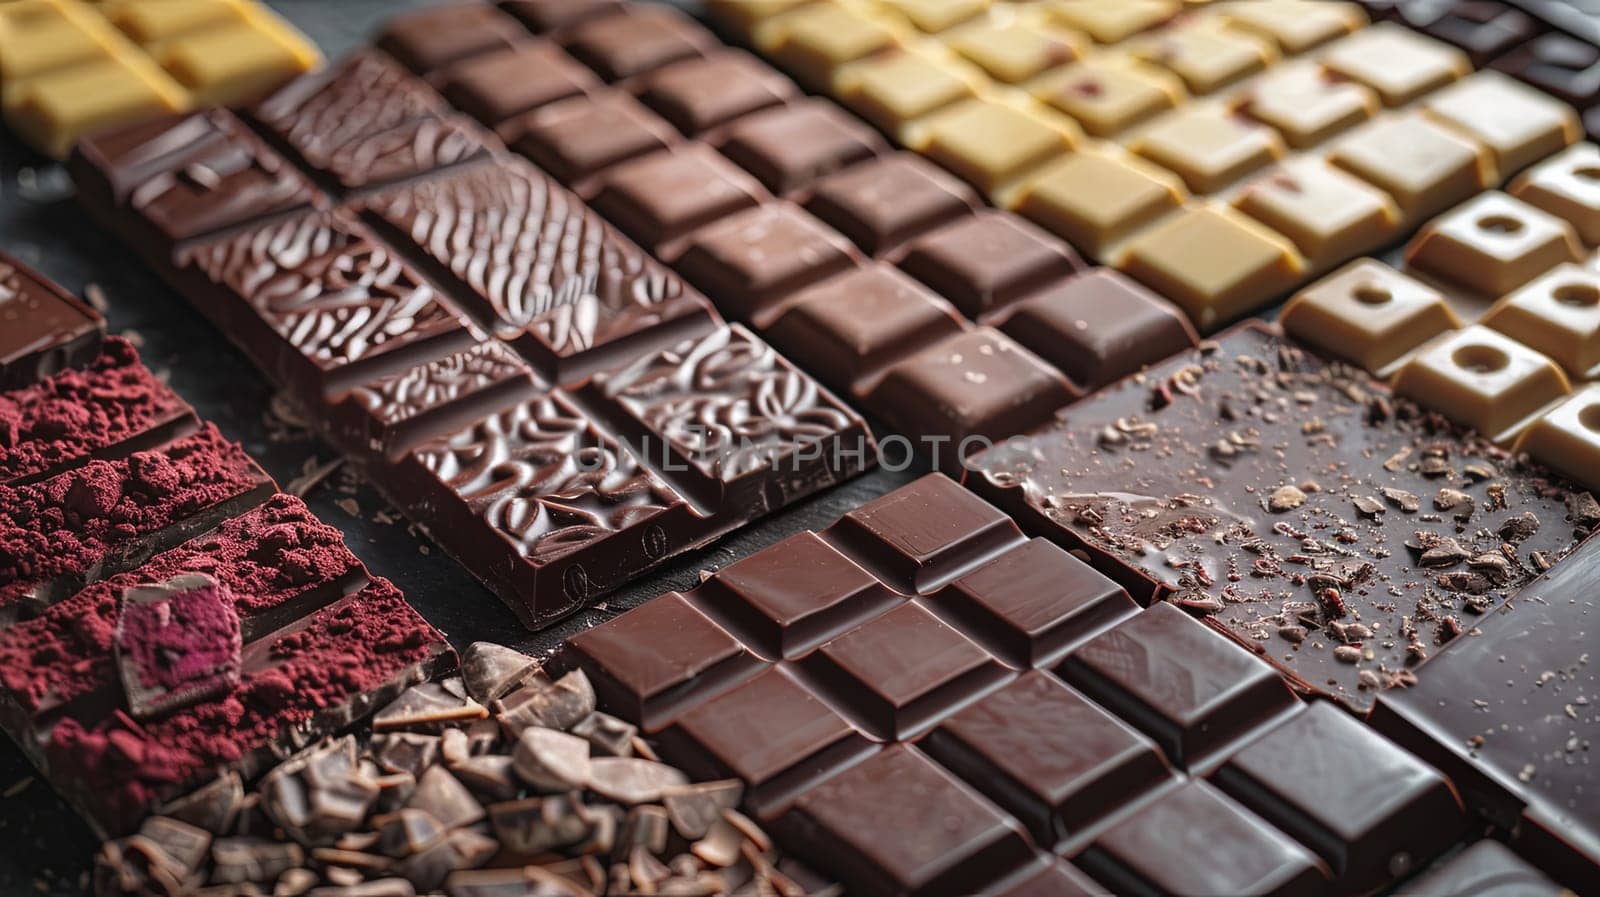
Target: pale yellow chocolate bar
(1107, 96)
(1094, 199)
(1329, 214)
(1520, 125)
(233, 63)
(1558, 314)
(1215, 263)
(1207, 147)
(992, 144)
(1206, 58)
(53, 110)
(1567, 186)
(899, 87)
(1367, 313)
(1424, 166)
(814, 41)
(1484, 380)
(934, 16)
(149, 23)
(1400, 64)
(1306, 105)
(1493, 244)
(1109, 23)
(1567, 438)
(1014, 51)
(1296, 25)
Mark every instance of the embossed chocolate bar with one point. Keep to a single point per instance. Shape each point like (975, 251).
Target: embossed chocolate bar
(634, 425)
(1344, 533)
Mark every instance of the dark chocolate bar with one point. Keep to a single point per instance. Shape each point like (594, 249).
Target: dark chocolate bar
(1341, 532)
(43, 328)
(634, 426)
(1510, 714)
(1051, 718)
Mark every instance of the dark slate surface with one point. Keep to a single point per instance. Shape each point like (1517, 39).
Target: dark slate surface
(46, 849)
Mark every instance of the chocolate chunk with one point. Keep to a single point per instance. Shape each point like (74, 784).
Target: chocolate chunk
(558, 705)
(630, 780)
(177, 644)
(407, 752)
(212, 807)
(253, 859)
(425, 705)
(1485, 867)
(551, 761)
(606, 734)
(319, 794)
(443, 797)
(491, 670)
(693, 809)
(534, 825)
(461, 849)
(406, 832)
(491, 776)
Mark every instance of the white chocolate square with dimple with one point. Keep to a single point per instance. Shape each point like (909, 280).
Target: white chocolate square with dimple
(1567, 186)
(1306, 104)
(1424, 166)
(1208, 147)
(1296, 25)
(1520, 125)
(1484, 380)
(1106, 96)
(1330, 215)
(1567, 438)
(1206, 58)
(1397, 62)
(1558, 314)
(1493, 244)
(1109, 23)
(1368, 313)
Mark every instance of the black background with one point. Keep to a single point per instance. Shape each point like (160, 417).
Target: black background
(44, 848)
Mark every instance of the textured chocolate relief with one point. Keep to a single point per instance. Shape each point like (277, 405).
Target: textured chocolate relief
(413, 148)
(727, 406)
(1345, 533)
(325, 287)
(544, 478)
(354, 116)
(195, 175)
(534, 264)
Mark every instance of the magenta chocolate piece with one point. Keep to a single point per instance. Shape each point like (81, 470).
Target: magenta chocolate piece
(1341, 532)
(109, 408)
(43, 328)
(107, 517)
(1509, 715)
(177, 644)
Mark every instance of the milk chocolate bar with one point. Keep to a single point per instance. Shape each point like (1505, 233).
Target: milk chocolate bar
(1295, 504)
(661, 157)
(541, 402)
(46, 328)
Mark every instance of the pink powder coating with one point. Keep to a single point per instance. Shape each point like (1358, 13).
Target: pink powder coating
(186, 640)
(64, 525)
(117, 767)
(80, 411)
(267, 557)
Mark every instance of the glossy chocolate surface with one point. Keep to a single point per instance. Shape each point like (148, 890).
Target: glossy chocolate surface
(43, 328)
(1294, 503)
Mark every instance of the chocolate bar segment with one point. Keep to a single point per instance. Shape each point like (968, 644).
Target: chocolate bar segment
(106, 517)
(1505, 714)
(108, 408)
(45, 328)
(1345, 532)
(430, 39)
(538, 269)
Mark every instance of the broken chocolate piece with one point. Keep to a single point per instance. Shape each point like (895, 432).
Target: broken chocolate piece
(177, 644)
